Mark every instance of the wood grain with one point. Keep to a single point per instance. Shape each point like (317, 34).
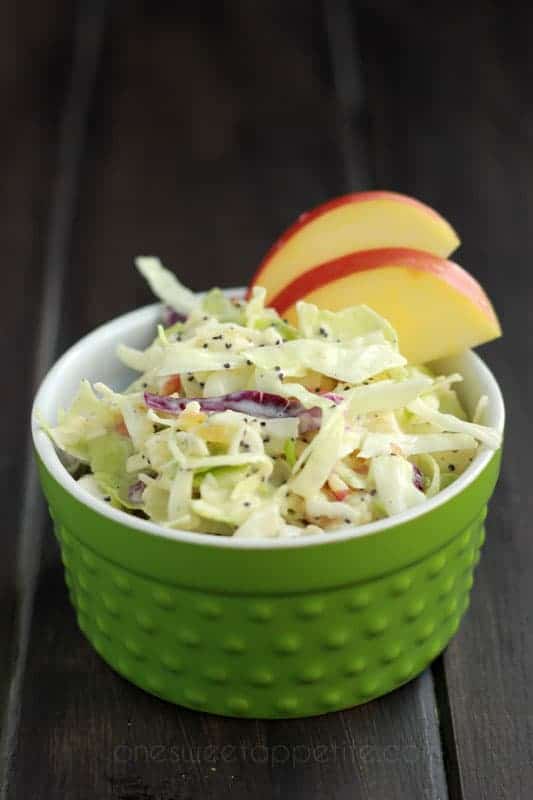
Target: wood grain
(43, 332)
(204, 141)
(452, 113)
(34, 69)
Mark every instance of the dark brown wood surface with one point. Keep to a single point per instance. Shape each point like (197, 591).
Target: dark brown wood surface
(455, 131)
(199, 132)
(35, 50)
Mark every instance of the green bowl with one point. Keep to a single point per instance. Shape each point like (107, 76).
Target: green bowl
(263, 628)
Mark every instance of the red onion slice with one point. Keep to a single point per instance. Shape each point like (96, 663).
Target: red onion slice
(418, 478)
(170, 317)
(135, 492)
(251, 402)
(335, 398)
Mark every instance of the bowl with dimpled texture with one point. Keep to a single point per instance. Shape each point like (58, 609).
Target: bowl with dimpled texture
(263, 628)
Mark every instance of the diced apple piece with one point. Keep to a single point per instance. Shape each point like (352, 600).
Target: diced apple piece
(437, 308)
(360, 221)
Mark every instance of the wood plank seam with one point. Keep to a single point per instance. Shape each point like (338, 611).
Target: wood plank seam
(87, 48)
(447, 734)
(348, 83)
(350, 89)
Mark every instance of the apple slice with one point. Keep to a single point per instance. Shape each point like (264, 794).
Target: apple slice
(360, 221)
(437, 308)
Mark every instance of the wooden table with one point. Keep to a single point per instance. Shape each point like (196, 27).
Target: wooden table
(198, 131)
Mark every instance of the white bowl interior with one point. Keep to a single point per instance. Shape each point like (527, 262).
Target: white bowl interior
(93, 358)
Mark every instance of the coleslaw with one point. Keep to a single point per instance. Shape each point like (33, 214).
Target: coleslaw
(239, 424)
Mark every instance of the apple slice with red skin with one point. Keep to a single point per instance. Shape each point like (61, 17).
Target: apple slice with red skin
(359, 221)
(437, 308)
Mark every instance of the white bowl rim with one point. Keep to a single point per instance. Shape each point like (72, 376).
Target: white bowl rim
(51, 461)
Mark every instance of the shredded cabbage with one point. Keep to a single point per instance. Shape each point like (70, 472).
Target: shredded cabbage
(351, 363)
(240, 424)
(395, 488)
(343, 326)
(448, 422)
(385, 395)
(378, 444)
(165, 285)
